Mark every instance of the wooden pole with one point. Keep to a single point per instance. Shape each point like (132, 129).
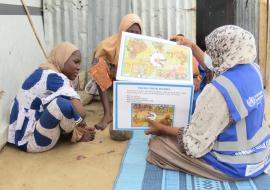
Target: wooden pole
(267, 72)
(33, 28)
(262, 38)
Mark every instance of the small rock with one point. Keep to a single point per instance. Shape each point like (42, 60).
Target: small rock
(80, 157)
(111, 151)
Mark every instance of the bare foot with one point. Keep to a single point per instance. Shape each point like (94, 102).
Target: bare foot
(104, 122)
(89, 135)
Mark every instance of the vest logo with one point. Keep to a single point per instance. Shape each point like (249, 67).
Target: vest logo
(255, 149)
(255, 100)
(251, 101)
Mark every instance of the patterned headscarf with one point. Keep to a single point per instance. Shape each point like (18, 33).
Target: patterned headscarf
(58, 56)
(230, 45)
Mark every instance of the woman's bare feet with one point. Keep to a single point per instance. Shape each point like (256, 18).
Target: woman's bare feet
(88, 133)
(107, 119)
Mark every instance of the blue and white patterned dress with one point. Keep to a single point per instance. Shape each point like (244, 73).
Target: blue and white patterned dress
(42, 110)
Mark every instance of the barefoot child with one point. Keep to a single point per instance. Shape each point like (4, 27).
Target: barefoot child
(104, 64)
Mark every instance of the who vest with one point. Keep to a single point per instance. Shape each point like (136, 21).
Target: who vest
(242, 149)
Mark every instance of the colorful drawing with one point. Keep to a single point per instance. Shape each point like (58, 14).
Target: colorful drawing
(148, 59)
(157, 112)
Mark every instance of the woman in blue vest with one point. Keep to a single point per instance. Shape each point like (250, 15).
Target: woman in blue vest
(228, 138)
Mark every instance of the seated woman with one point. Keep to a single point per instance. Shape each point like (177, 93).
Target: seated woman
(47, 105)
(104, 63)
(227, 138)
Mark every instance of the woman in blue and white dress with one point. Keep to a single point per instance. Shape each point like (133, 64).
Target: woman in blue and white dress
(47, 105)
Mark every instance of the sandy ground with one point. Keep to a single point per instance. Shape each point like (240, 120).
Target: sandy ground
(81, 166)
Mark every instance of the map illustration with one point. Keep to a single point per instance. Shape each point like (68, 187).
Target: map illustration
(147, 59)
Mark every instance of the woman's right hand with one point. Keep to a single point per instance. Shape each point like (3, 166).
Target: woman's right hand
(155, 128)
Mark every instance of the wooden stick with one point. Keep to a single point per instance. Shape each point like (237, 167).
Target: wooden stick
(33, 28)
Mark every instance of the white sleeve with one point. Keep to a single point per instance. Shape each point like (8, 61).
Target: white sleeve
(210, 118)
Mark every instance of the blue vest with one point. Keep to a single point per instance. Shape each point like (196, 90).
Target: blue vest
(242, 150)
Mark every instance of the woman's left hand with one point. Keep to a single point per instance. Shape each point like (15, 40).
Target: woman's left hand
(181, 40)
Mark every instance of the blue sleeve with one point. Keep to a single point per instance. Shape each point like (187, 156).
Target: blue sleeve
(54, 82)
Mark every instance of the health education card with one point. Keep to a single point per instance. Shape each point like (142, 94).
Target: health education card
(147, 59)
(135, 102)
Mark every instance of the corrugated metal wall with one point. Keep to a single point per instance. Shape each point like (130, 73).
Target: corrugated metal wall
(86, 22)
(247, 17)
(66, 20)
(104, 18)
(167, 17)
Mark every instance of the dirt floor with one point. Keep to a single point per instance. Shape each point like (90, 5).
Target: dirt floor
(81, 166)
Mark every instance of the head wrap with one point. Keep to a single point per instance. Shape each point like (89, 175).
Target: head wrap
(230, 45)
